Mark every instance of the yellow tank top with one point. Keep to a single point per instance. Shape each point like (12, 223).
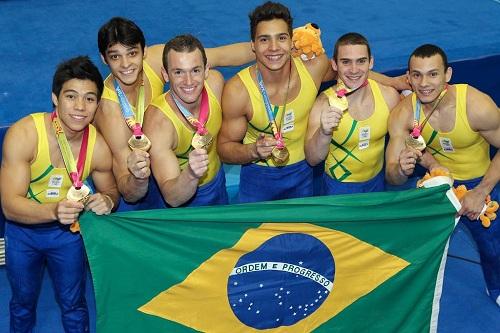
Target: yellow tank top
(50, 184)
(293, 123)
(357, 147)
(185, 134)
(463, 151)
(155, 86)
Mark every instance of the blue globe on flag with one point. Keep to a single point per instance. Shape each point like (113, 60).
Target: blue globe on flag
(283, 281)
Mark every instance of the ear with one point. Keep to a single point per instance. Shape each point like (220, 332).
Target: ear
(334, 65)
(145, 52)
(164, 74)
(54, 99)
(448, 74)
(371, 62)
(253, 46)
(207, 70)
(103, 59)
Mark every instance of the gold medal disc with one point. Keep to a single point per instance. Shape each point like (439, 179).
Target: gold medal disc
(82, 195)
(415, 143)
(280, 156)
(142, 142)
(202, 141)
(340, 103)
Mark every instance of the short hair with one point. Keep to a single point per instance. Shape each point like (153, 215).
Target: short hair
(81, 68)
(427, 51)
(351, 38)
(119, 30)
(267, 12)
(183, 43)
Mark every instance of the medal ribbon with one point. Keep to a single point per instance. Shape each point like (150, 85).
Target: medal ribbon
(342, 90)
(267, 103)
(128, 113)
(75, 171)
(202, 117)
(417, 128)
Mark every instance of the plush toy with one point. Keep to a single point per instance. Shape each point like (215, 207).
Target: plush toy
(307, 42)
(436, 172)
(490, 206)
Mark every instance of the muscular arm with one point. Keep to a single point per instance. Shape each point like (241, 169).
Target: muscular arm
(176, 186)
(235, 106)
(230, 55)
(318, 136)
(399, 126)
(484, 117)
(106, 196)
(115, 131)
(16, 176)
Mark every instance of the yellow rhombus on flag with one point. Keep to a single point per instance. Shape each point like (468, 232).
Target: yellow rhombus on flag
(247, 289)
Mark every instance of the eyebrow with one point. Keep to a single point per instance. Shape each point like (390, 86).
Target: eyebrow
(76, 92)
(278, 34)
(109, 51)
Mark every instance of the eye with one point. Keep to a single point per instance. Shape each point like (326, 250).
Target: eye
(263, 39)
(71, 96)
(114, 57)
(415, 75)
(91, 99)
(283, 38)
(361, 61)
(196, 70)
(344, 62)
(177, 72)
(434, 74)
(132, 53)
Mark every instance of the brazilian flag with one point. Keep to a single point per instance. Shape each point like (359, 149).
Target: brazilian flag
(353, 263)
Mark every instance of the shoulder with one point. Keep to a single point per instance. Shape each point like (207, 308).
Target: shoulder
(391, 95)
(317, 67)
(154, 58)
(25, 130)
(215, 81)
(482, 112)
(401, 117)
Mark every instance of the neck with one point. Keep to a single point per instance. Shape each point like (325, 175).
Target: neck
(193, 108)
(277, 77)
(131, 88)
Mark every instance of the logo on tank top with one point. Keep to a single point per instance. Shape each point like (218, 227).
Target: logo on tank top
(55, 181)
(364, 137)
(288, 121)
(446, 144)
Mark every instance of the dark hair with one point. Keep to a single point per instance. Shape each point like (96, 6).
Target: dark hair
(119, 30)
(351, 38)
(81, 68)
(267, 12)
(427, 51)
(183, 43)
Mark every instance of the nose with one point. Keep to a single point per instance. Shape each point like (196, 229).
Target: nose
(274, 44)
(79, 103)
(189, 78)
(124, 62)
(423, 80)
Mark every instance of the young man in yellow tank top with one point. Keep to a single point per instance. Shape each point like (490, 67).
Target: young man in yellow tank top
(122, 47)
(34, 183)
(352, 141)
(187, 174)
(291, 86)
(462, 123)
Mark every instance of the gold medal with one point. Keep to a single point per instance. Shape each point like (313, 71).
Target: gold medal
(79, 195)
(338, 102)
(140, 142)
(417, 143)
(280, 155)
(202, 141)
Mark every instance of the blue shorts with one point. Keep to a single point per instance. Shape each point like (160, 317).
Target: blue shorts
(212, 193)
(28, 249)
(262, 183)
(488, 242)
(333, 187)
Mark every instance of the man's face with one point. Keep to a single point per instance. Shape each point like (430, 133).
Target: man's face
(76, 104)
(353, 64)
(272, 44)
(186, 74)
(125, 62)
(428, 77)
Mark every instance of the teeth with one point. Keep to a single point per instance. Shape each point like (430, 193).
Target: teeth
(127, 72)
(77, 117)
(274, 57)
